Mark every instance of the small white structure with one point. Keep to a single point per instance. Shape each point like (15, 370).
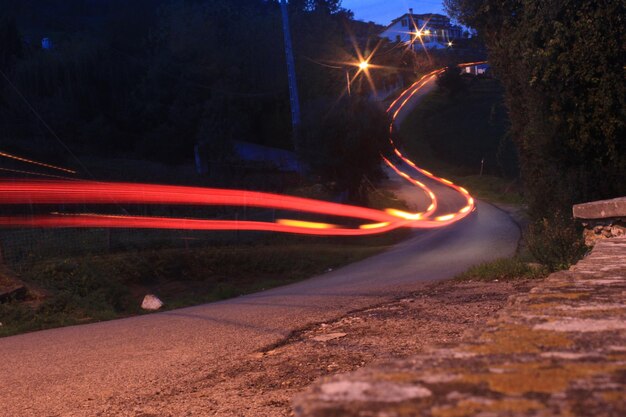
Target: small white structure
(476, 69)
(433, 30)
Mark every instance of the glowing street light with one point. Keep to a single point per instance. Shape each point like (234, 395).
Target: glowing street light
(363, 66)
(450, 44)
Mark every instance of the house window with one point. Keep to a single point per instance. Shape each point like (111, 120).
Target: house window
(405, 23)
(398, 38)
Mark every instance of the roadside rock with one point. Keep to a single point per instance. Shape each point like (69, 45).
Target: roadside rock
(151, 302)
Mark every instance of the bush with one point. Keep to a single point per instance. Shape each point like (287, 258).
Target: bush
(451, 81)
(342, 143)
(555, 242)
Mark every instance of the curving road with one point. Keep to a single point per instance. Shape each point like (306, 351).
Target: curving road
(82, 370)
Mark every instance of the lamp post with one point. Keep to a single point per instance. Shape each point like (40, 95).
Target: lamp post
(291, 74)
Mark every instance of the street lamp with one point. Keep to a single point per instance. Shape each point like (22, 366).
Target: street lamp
(363, 65)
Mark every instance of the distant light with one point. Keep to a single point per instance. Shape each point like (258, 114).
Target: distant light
(363, 65)
(418, 34)
(449, 43)
(427, 31)
(46, 43)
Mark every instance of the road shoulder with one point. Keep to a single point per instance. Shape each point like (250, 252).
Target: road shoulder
(439, 314)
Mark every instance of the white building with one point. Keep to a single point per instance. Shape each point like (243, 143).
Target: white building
(432, 29)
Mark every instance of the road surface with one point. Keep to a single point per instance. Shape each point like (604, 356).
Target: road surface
(99, 369)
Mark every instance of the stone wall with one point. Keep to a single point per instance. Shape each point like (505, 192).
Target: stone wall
(559, 350)
(602, 219)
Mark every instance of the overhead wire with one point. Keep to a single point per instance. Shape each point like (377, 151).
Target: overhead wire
(43, 122)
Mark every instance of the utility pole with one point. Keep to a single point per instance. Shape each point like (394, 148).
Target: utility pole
(291, 73)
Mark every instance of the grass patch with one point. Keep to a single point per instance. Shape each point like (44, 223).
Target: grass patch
(491, 188)
(504, 269)
(102, 287)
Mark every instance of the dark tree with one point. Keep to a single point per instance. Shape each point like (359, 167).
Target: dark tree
(451, 80)
(342, 143)
(562, 65)
(11, 47)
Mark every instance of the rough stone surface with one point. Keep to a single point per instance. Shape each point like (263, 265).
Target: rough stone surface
(601, 209)
(558, 350)
(611, 228)
(151, 302)
(602, 219)
(328, 337)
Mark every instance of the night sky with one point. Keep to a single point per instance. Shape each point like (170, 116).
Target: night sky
(383, 11)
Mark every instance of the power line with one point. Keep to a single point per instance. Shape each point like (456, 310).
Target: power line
(321, 63)
(52, 132)
(19, 171)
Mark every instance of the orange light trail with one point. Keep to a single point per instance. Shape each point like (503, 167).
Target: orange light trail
(30, 161)
(404, 99)
(19, 171)
(365, 221)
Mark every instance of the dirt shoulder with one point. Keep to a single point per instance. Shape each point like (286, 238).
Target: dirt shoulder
(265, 382)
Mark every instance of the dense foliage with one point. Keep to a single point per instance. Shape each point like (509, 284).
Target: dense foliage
(451, 81)
(562, 65)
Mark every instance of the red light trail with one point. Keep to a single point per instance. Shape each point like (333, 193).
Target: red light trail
(368, 221)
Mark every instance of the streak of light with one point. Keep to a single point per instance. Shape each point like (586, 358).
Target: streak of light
(145, 222)
(308, 225)
(374, 226)
(87, 192)
(444, 218)
(19, 171)
(403, 100)
(30, 161)
(404, 215)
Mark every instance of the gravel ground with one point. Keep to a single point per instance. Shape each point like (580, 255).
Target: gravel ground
(264, 383)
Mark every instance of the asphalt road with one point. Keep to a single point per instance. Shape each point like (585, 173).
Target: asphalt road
(83, 370)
